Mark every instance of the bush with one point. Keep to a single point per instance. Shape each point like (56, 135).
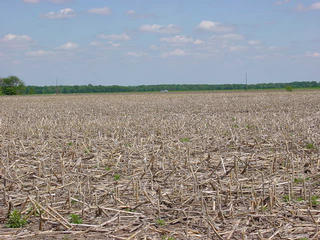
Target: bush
(11, 86)
(289, 88)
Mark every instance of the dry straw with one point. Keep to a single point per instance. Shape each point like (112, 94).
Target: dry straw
(152, 166)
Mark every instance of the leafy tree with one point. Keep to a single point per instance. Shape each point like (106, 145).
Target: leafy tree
(12, 85)
(170, 87)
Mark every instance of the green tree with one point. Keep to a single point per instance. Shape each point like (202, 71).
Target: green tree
(12, 85)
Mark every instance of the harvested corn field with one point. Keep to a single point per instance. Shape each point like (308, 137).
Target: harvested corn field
(237, 165)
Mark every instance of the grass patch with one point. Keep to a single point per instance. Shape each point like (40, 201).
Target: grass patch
(16, 220)
(285, 198)
(314, 200)
(160, 222)
(75, 219)
(310, 146)
(298, 180)
(184, 140)
(116, 177)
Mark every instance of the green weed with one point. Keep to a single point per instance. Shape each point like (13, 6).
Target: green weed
(314, 200)
(116, 177)
(310, 146)
(285, 198)
(184, 140)
(75, 218)
(298, 180)
(160, 222)
(16, 220)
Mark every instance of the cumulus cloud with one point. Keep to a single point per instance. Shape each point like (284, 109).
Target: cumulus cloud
(133, 14)
(12, 37)
(61, 14)
(136, 54)
(237, 48)
(100, 11)
(116, 37)
(31, 1)
(313, 54)
(281, 2)
(60, 1)
(254, 42)
(155, 28)
(68, 46)
(230, 36)
(314, 6)
(39, 53)
(176, 52)
(53, 1)
(210, 26)
(104, 44)
(180, 39)
(114, 44)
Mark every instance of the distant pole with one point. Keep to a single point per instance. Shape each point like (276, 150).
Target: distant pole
(247, 80)
(56, 86)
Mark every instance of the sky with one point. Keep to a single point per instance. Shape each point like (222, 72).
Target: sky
(134, 42)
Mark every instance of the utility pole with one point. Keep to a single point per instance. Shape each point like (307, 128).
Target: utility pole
(56, 86)
(247, 80)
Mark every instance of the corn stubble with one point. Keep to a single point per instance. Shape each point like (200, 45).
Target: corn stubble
(161, 166)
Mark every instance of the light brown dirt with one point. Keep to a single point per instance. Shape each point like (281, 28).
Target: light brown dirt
(238, 165)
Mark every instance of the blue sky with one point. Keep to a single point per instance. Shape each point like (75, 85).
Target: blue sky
(133, 42)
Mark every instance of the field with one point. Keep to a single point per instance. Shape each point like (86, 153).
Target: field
(227, 165)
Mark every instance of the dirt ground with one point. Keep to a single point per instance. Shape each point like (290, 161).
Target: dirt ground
(220, 165)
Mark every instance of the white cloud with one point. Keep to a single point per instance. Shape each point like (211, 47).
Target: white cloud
(53, 1)
(12, 37)
(95, 43)
(39, 53)
(114, 44)
(116, 37)
(136, 54)
(154, 47)
(63, 13)
(198, 41)
(31, 1)
(313, 54)
(60, 1)
(281, 2)
(315, 6)
(180, 39)
(206, 25)
(237, 48)
(131, 12)
(176, 52)
(68, 46)
(100, 11)
(155, 28)
(230, 36)
(103, 44)
(254, 42)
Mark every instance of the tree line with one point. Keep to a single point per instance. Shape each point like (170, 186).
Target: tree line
(13, 85)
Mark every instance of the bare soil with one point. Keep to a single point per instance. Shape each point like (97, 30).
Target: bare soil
(236, 165)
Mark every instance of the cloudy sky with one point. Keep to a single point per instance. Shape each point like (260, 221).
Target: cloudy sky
(132, 42)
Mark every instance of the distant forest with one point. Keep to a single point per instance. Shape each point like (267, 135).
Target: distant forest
(163, 87)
